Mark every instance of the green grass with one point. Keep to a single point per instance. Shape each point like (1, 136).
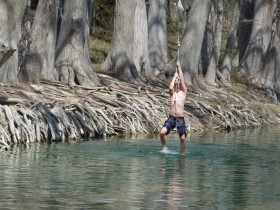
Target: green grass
(100, 41)
(99, 49)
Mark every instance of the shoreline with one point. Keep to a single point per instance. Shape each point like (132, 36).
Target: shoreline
(52, 111)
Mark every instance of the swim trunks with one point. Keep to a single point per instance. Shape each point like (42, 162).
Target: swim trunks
(170, 124)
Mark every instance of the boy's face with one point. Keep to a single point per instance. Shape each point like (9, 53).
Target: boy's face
(177, 86)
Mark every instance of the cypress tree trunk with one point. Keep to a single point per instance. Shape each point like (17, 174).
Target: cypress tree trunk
(214, 59)
(253, 59)
(208, 42)
(39, 61)
(227, 62)
(191, 43)
(72, 53)
(129, 55)
(187, 6)
(11, 14)
(269, 77)
(158, 51)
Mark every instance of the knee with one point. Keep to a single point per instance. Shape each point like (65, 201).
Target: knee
(182, 138)
(163, 132)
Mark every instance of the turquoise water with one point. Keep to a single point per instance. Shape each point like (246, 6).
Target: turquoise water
(236, 170)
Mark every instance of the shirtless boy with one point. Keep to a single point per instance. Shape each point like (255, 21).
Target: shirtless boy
(178, 92)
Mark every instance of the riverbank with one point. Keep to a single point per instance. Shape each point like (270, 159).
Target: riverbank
(56, 112)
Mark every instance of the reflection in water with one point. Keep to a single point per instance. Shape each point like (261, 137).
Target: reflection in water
(171, 178)
(239, 180)
(236, 170)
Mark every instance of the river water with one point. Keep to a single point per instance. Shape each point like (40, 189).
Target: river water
(236, 170)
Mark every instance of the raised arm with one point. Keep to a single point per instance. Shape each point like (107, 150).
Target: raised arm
(181, 76)
(171, 86)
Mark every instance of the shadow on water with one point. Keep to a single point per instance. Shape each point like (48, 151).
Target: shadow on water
(236, 170)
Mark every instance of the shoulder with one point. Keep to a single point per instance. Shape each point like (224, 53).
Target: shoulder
(171, 92)
(185, 89)
(184, 92)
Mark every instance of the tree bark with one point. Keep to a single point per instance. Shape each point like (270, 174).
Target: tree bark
(72, 53)
(253, 59)
(187, 6)
(269, 77)
(191, 43)
(39, 61)
(128, 56)
(91, 16)
(10, 33)
(214, 59)
(158, 51)
(208, 42)
(227, 62)
(5, 53)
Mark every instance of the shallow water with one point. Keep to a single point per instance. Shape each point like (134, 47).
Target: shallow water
(236, 170)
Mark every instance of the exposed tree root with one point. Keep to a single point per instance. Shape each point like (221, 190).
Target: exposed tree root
(56, 112)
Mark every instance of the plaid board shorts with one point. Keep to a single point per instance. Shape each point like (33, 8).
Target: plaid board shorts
(170, 124)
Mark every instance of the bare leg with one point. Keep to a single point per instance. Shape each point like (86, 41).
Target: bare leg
(162, 137)
(182, 144)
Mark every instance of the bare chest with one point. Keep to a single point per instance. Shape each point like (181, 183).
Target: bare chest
(178, 97)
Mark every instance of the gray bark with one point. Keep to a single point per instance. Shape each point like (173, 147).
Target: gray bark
(39, 61)
(187, 6)
(208, 42)
(10, 33)
(72, 53)
(128, 56)
(91, 15)
(227, 62)
(214, 59)
(253, 59)
(191, 43)
(157, 30)
(5, 53)
(269, 77)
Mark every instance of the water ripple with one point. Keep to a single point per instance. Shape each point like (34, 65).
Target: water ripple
(219, 171)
